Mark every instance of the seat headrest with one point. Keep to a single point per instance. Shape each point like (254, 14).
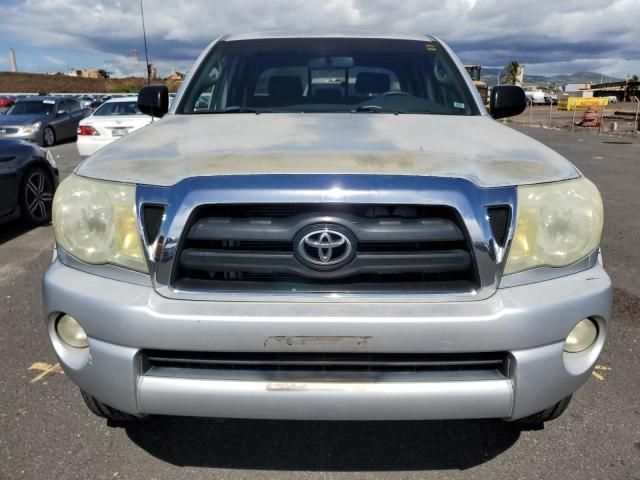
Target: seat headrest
(367, 82)
(285, 86)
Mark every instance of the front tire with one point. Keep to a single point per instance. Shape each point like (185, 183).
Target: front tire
(101, 410)
(48, 137)
(36, 196)
(547, 415)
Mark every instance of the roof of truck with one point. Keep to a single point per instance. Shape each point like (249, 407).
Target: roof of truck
(347, 34)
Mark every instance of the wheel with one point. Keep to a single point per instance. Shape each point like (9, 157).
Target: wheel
(547, 415)
(36, 196)
(48, 137)
(101, 410)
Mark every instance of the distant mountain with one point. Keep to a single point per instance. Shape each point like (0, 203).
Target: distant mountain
(490, 75)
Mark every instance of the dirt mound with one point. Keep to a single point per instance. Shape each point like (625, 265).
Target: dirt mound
(58, 83)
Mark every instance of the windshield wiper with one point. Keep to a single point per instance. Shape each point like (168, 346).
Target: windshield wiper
(379, 109)
(375, 109)
(239, 109)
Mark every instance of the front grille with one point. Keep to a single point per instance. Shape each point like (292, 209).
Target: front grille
(327, 367)
(395, 247)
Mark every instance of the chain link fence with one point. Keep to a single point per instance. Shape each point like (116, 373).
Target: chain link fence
(619, 118)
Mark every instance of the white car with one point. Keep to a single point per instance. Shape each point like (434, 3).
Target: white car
(113, 119)
(536, 97)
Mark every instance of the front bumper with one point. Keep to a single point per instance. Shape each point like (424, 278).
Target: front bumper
(529, 322)
(30, 137)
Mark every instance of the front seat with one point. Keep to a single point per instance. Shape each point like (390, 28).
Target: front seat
(285, 89)
(370, 84)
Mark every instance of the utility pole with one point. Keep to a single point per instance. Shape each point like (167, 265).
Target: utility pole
(146, 52)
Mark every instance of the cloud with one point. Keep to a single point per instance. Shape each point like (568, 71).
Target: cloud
(54, 61)
(546, 35)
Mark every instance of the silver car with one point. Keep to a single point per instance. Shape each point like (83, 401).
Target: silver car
(43, 120)
(329, 228)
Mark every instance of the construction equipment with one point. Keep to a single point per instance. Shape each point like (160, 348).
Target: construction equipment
(474, 72)
(566, 102)
(590, 118)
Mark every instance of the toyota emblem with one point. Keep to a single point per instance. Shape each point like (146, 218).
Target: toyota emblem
(325, 247)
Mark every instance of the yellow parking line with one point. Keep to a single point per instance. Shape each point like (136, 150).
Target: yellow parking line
(45, 368)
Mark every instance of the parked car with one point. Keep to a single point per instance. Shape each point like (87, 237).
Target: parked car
(43, 120)
(95, 104)
(6, 102)
(28, 180)
(112, 120)
(389, 254)
(86, 101)
(536, 97)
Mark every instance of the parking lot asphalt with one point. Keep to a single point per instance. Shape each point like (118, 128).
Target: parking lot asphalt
(47, 433)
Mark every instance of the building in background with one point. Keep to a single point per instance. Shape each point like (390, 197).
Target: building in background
(520, 76)
(88, 73)
(153, 71)
(176, 76)
(576, 87)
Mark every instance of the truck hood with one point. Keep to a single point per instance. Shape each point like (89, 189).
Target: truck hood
(475, 148)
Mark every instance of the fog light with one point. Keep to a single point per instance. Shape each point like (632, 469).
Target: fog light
(581, 337)
(71, 333)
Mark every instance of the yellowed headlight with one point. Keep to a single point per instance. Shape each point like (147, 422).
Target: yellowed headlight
(557, 225)
(581, 337)
(95, 222)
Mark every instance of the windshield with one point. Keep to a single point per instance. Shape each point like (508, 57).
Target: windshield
(32, 107)
(117, 108)
(328, 75)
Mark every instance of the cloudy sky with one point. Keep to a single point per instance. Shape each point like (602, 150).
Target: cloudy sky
(548, 36)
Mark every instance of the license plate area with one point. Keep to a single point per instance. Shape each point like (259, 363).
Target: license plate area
(119, 132)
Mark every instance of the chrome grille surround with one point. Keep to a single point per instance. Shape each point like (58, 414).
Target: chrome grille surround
(470, 201)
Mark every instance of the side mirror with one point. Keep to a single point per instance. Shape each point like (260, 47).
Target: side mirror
(154, 100)
(507, 101)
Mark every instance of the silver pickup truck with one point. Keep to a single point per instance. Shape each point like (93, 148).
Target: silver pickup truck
(328, 227)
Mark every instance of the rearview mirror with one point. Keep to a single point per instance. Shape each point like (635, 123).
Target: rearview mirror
(154, 100)
(322, 63)
(507, 101)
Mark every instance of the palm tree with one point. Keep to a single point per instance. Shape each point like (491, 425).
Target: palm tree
(513, 70)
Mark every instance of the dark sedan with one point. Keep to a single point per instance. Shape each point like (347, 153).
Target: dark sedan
(43, 120)
(28, 180)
